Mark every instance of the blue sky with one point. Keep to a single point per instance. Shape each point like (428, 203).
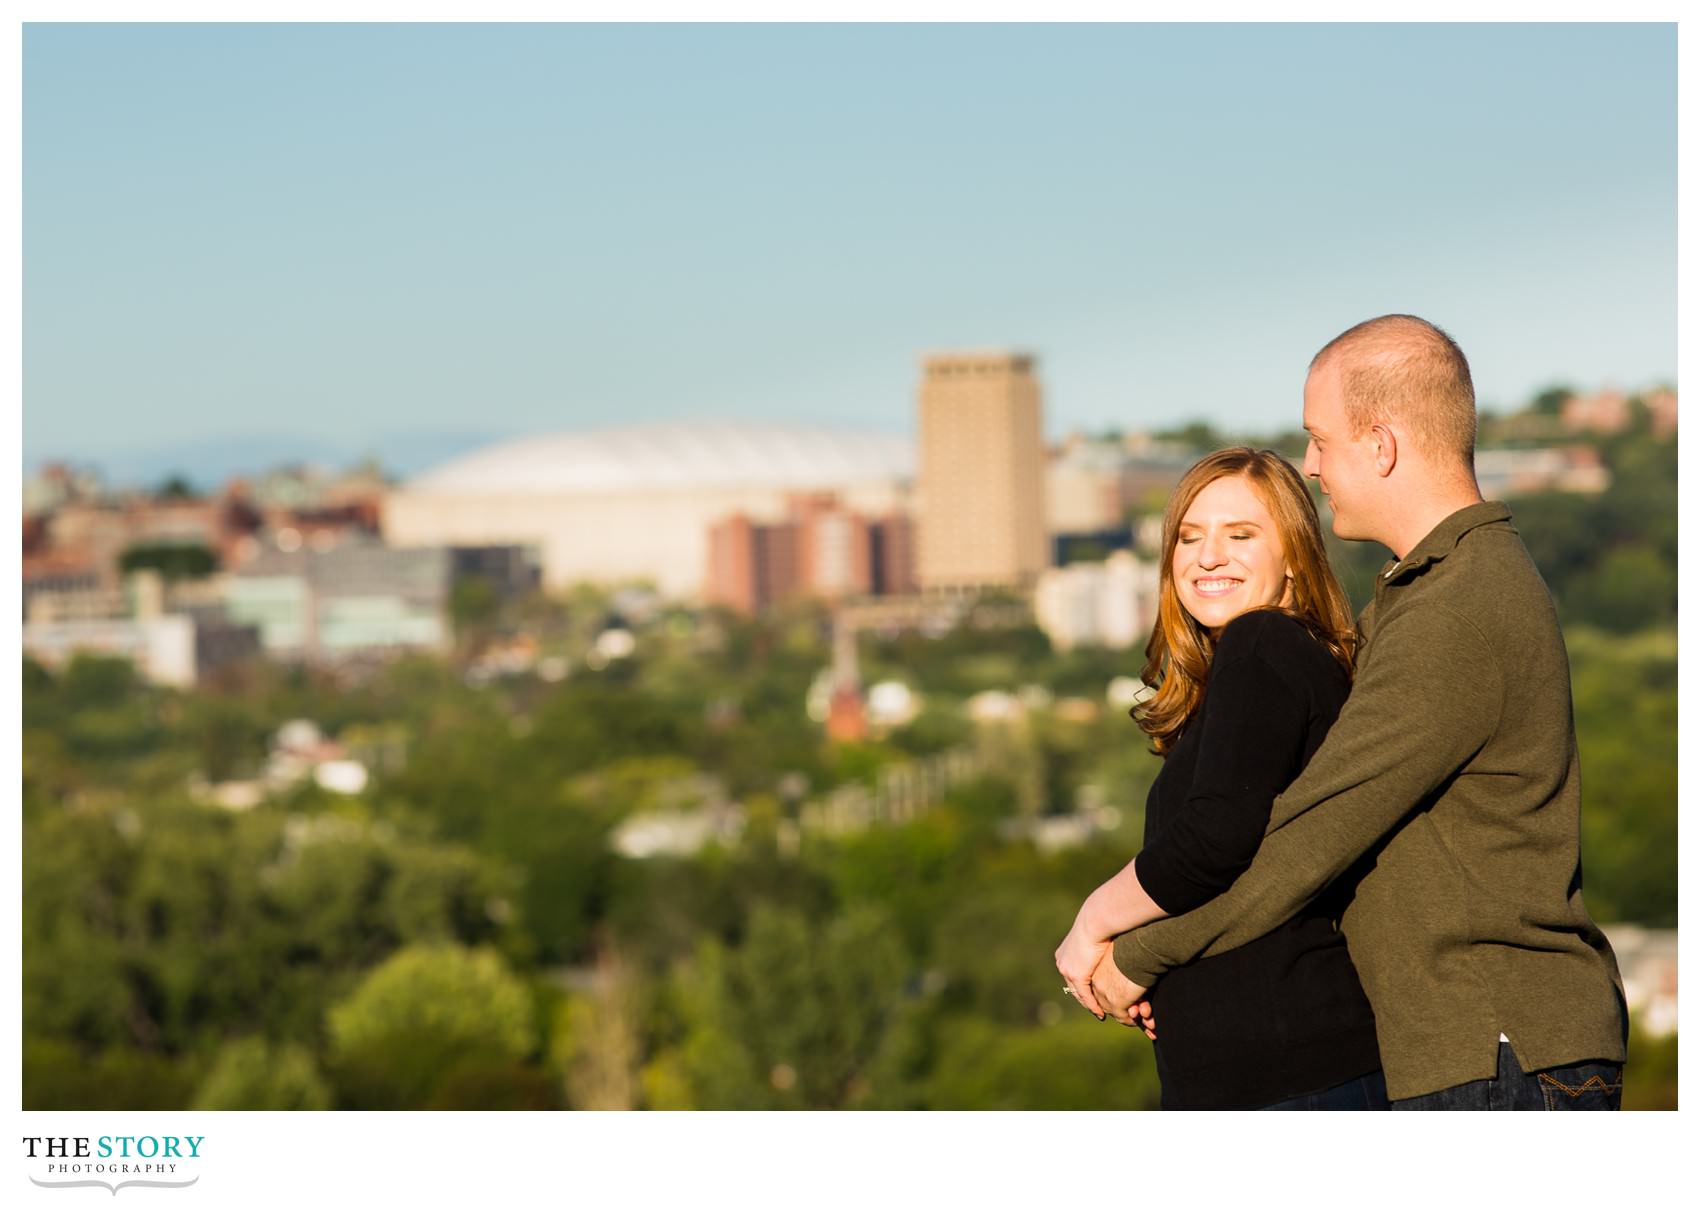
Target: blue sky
(351, 233)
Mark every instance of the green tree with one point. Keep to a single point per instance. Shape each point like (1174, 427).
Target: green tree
(173, 561)
(492, 1085)
(51, 775)
(1625, 696)
(59, 1076)
(559, 847)
(473, 603)
(229, 735)
(935, 728)
(790, 1018)
(1550, 402)
(1649, 1076)
(1072, 1063)
(1562, 532)
(92, 681)
(172, 927)
(76, 877)
(905, 873)
(661, 909)
(1632, 587)
(1007, 982)
(427, 1011)
(1610, 559)
(1200, 436)
(254, 1075)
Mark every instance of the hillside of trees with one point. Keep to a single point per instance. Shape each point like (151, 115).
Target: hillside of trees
(463, 934)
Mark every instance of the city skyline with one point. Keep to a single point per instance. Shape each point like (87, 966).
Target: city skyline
(488, 231)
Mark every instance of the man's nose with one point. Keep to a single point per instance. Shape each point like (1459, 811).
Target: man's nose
(1313, 465)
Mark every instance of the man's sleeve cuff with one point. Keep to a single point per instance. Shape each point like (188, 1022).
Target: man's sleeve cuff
(1136, 961)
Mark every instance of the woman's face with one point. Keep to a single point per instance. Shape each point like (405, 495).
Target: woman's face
(1228, 558)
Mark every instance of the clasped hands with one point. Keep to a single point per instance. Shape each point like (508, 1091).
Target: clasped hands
(1089, 970)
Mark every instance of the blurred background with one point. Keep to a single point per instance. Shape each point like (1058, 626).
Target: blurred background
(605, 567)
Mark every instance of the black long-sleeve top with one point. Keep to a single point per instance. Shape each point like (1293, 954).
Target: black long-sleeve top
(1283, 1015)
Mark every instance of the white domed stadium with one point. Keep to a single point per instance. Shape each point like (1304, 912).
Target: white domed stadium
(636, 502)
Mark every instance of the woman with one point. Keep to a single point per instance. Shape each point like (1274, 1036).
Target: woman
(1251, 659)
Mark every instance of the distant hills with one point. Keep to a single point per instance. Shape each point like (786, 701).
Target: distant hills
(209, 462)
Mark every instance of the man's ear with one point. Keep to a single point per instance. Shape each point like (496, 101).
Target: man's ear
(1386, 449)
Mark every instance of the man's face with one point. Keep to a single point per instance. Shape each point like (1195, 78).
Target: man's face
(1343, 465)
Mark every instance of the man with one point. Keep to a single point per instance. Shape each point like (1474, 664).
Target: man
(1453, 766)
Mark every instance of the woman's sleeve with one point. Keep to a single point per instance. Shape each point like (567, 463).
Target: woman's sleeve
(1254, 726)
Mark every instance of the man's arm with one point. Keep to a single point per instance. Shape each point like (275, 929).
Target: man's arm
(1427, 698)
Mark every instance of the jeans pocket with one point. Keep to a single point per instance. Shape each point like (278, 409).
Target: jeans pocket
(1582, 1088)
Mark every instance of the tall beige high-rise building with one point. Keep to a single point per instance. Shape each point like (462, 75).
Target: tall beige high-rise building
(980, 477)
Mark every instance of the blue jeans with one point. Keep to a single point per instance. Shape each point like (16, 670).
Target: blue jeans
(1366, 1093)
(1589, 1086)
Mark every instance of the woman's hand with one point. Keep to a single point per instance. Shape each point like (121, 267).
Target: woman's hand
(1077, 958)
(1117, 905)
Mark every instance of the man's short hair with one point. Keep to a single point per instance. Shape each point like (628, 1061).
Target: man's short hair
(1403, 368)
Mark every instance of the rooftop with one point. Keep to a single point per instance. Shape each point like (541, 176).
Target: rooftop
(676, 455)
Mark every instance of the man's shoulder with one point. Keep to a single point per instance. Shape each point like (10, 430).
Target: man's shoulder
(1491, 541)
(1488, 569)
(1483, 603)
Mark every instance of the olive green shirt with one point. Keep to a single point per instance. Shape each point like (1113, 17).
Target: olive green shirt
(1456, 756)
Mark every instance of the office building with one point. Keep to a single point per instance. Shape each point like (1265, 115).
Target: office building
(1109, 604)
(175, 635)
(981, 517)
(820, 549)
(361, 598)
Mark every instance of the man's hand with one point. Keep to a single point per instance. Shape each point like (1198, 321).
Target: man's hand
(1077, 958)
(1117, 995)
